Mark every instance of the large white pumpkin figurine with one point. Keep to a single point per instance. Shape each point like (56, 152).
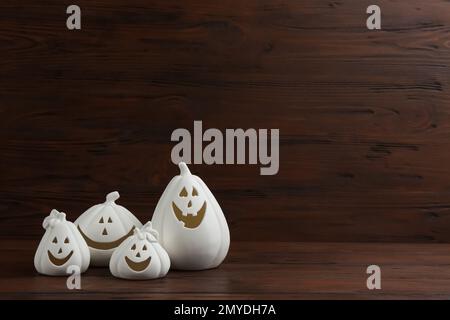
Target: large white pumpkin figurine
(140, 257)
(191, 224)
(60, 247)
(104, 227)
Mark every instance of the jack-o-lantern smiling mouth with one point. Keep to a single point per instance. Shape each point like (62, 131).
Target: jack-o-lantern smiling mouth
(138, 266)
(190, 220)
(105, 245)
(57, 261)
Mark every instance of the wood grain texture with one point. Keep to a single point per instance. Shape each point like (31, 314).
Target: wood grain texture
(254, 270)
(363, 115)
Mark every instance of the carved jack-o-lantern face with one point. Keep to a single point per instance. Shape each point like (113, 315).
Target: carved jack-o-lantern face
(106, 226)
(138, 258)
(62, 245)
(107, 232)
(189, 206)
(192, 227)
(60, 250)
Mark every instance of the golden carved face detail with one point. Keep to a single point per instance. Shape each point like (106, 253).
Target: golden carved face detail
(105, 226)
(60, 250)
(107, 245)
(138, 258)
(189, 206)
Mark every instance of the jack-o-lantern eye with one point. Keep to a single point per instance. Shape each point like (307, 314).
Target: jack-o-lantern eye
(66, 240)
(55, 240)
(183, 192)
(109, 220)
(194, 192)
(101, 220)
(133, 247)
(144, 247)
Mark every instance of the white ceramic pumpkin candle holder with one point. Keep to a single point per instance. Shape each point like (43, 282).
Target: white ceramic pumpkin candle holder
(140, 257)
(60, 247)
(104, 227)
(191, 224)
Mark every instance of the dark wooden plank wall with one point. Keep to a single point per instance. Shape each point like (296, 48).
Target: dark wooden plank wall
(363, 115)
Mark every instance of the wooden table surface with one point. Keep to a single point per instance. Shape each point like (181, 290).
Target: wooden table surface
(254, 270)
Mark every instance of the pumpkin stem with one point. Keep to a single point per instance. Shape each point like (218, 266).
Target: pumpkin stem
(184, 170)
(112, 196)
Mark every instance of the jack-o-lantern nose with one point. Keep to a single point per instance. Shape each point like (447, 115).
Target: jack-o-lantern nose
(59, 251)
(105, 233)
(138, 255)
(189, 204)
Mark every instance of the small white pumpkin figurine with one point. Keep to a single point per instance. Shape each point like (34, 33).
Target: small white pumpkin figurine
(140, 257)
(191, 224)
(104, 227)
(60, 247)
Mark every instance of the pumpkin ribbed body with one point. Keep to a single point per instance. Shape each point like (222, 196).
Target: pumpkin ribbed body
(140, 257)
(104, 227)
(60, 247)
(191, 224)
